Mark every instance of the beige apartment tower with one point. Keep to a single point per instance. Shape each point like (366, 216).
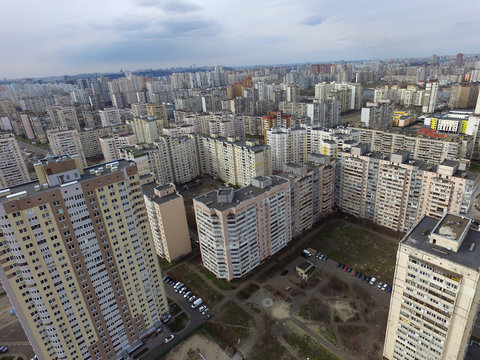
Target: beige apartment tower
(78, 261)
(238, 229)
(65, 141)
(168, 220)
(13, 169)
(435, 296)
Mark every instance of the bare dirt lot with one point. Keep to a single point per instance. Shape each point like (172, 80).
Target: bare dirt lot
(195, 344)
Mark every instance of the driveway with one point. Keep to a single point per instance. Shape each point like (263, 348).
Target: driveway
(155, 344)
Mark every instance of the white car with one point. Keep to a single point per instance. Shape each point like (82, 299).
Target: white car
(169, 338)
(201, 308)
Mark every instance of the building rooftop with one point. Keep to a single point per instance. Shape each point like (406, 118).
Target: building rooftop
(452, 226)
(149, 191)
(35, 188)
(468, 253)
(249, 192)
(304, 266)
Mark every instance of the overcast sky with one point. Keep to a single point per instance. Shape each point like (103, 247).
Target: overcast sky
(55, 37)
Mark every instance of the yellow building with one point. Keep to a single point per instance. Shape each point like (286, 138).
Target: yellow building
(77, 260)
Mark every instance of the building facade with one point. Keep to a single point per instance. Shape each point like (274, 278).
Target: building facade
(13, 169)
(238, 229)
(168, 220)
(78, 260)
(64, 141)
(434, 303)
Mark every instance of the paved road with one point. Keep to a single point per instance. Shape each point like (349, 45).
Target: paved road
(156, 344)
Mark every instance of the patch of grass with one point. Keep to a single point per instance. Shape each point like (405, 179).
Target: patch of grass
(174, 309)
(247, 291)
(309, 347)
(138, 356)
(219, 283)
(197, 285)
(235, 320)
(268, 347)
(349, 335)
(315, 310)
(178, 323)
(357, 247)
(165, 265)
(475, 167)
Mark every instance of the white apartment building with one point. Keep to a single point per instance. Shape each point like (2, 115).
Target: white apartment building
(430, 97)
(174, 159)
(434, 303)
(63, 141)
(235, 162)
(147, 129)
(287, 145)
(112, 144)
(110, 117)
(13, 169)
(396, 192)
(238, 229)
(432, 150)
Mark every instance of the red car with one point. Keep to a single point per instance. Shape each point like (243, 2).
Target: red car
(345, 268)
(354, 273)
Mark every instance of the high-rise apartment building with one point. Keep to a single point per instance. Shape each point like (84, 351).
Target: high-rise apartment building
(13, 169)
(147, 129)
(90, 138)
(287, 145)
(378, 115)
(431, 149)
(238, 229)
(395, 192)
(459, 59)
(174, 159)
(275, 119)
(463, 96)
(430, 96)
(436, 292)
(64, 141)
(168, 220)
(110, 116)
(111, 145)
(312, 191)
(159, 111)
(78, 261)
(235, 162)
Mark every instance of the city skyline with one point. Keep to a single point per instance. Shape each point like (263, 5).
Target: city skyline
(107, 36)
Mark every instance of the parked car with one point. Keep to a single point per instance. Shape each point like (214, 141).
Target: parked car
(380, 284)
(169, 338)
(354, 273)
(167, 318)
(201, 308)
(209, 316)
(372, 281)
(389, 289)
(349, 269)
(3, 349)
(345, 268)
(359, 275)
(205, 311)
(192, 298)
(325, 257)
(187, 294)
(196, 303)
(384, 287)
(339, 265)
(166, 278)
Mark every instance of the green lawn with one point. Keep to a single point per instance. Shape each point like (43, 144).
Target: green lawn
(475, 167)
(247, 291)
(219, 283)
(178, 323)
(309, 347)
(358, 248)
(197, 285)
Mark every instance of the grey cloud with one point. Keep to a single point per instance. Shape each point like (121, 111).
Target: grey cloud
(173, 6)
(314, 20)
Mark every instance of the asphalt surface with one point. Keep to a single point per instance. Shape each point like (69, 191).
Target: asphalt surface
(156, 344)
